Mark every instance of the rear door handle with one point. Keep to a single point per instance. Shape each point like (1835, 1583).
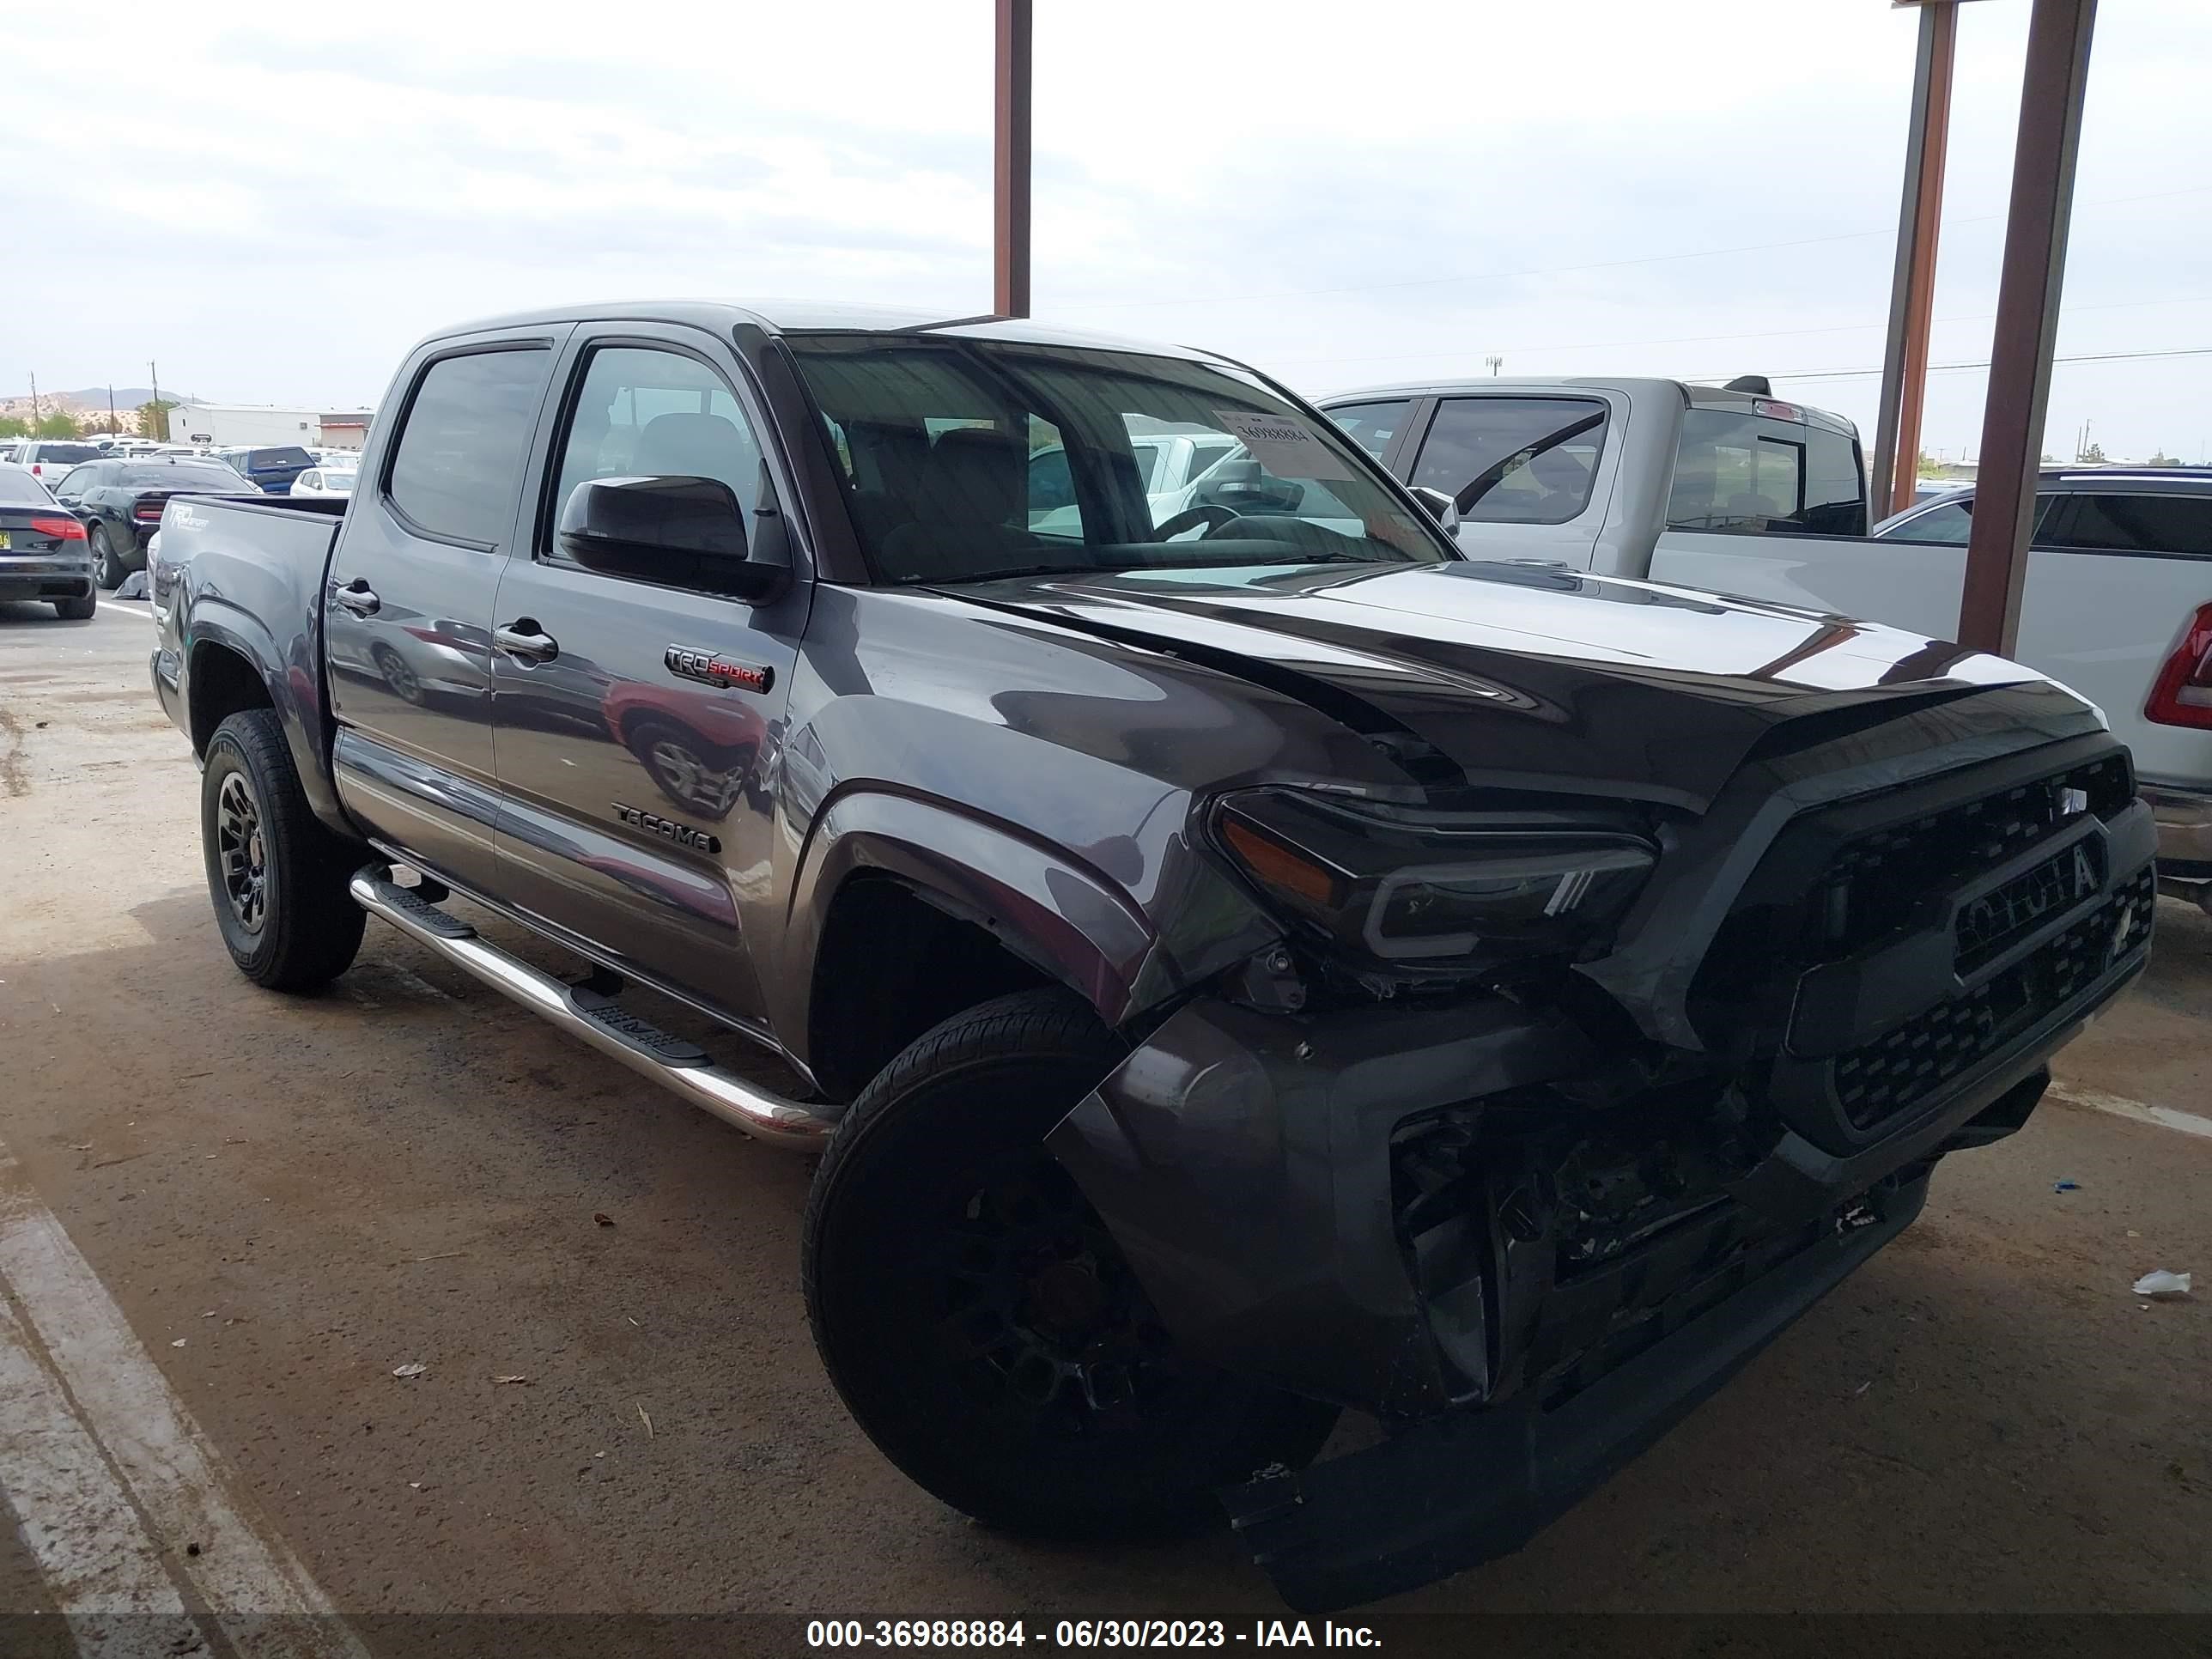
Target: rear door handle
(522, 638)
(358, 597)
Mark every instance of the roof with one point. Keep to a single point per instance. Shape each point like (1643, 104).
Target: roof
(1633, 387)
(812, 317)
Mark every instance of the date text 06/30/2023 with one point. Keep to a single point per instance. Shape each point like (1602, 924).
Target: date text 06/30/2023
(1085, 1633)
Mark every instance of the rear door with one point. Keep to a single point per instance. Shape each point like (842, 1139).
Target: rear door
(409, 606)
(634, 778)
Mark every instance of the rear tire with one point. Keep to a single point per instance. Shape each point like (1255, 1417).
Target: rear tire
(111, 569)
(980, 1324)
(277, 877)
(77, 610)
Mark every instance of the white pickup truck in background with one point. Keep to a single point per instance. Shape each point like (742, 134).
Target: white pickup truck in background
(1732, 490)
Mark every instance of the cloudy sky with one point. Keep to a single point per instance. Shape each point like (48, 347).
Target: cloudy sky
(1346, 194)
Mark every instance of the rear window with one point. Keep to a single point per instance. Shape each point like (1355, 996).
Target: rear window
(1514, 461)
(65, 454)
(458, 462)
(189, 477)
(287, 455)
(1745, 474)
(20, 488)
(2132, 524)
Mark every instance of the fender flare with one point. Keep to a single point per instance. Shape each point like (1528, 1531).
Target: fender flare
(1067, 919)
(296, 697)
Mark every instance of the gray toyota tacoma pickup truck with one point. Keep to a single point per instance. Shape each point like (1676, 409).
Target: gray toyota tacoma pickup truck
(1239, 966)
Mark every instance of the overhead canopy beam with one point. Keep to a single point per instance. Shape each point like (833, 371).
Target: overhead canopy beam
(1912, 286)
(2051, 94)
(1009, 163)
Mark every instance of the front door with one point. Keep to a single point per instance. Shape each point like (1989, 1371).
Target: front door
(637, 718)
(408, 608)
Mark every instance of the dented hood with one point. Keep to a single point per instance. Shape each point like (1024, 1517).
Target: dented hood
(1525, 676)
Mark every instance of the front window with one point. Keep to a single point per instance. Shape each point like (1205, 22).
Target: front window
(964, 460)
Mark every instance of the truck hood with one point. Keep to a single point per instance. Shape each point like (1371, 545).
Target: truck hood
(1525, 676)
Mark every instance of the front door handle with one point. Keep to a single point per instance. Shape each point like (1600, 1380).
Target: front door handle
(523, 638)
(358, 597)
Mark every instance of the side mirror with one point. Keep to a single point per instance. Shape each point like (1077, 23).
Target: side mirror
(1440, 507)
(680, 532)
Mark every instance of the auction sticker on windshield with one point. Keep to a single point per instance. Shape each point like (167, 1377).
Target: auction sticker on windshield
(1283, 446)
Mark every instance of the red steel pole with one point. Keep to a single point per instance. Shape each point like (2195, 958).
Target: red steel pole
(1010, 167)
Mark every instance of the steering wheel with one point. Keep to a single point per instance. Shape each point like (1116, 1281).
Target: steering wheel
(1211, 514)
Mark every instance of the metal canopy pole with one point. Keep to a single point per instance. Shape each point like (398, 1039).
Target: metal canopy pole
(2051, 92)
(1009, 164)
(1912, 286)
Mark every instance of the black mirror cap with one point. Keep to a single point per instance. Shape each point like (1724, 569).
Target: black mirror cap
(1440, 507)
(676, 531)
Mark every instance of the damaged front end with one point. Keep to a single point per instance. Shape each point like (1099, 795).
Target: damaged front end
(1528, 1232)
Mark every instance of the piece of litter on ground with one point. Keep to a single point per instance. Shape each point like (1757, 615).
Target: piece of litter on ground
(633, 1321)
(2132, 1233)
(209, 1314)
(1861, 1387)
(511, 1379)
(2162, 1283)
(643, 1418)
(417, 1485)
(179, 1343)
(599, 1454)
(603, 1218)
(2065, 1186)
(412, 1368)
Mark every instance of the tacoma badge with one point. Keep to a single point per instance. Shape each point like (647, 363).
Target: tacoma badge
(667, 829)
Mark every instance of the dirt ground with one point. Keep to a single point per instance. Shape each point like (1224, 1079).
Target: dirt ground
(313, 1192)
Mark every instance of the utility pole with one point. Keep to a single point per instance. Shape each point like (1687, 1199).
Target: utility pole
(1010, 162)
(161, 416)
(1912, 285)
(34, 402)
(1496, 363)
(112, 429)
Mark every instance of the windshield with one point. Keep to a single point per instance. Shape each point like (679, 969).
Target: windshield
(965, 459)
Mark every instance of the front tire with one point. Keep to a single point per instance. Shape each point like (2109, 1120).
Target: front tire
(277, 876)
(980, 1321)
(110, 567)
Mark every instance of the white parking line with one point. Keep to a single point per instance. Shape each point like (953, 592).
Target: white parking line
(112, 1480)
(2165, 1117)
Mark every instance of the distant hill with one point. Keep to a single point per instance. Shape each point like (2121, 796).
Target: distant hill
(126, 396)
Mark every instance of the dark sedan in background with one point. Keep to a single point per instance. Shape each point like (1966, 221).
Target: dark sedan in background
(42, 548)
(120, 503)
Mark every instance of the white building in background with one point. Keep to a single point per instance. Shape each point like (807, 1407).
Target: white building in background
(345, 429)
(230, 426)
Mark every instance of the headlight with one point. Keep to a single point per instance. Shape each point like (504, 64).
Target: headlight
(1424, 890)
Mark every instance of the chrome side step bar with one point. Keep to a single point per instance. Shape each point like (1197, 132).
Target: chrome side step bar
(668, 1061)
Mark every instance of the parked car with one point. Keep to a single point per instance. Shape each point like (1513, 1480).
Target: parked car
(1731, 490)
(326, 481)
(48, 459)
(2117, 602)
(42, 548)
(268, 468)
(1239, 966)
(120, 503)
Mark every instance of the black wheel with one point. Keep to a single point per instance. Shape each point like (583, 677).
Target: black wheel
(979, 1320)
(277, 877)
(110, 569)
(77, 610)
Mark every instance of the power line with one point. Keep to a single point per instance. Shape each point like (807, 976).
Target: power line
(1983, 363)
(1565, 270)
(1769, 334)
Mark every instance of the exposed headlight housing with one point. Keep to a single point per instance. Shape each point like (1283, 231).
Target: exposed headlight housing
(1425, 891)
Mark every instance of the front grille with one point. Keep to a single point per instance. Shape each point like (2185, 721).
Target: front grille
(1876, 881)
(1903, 1067)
